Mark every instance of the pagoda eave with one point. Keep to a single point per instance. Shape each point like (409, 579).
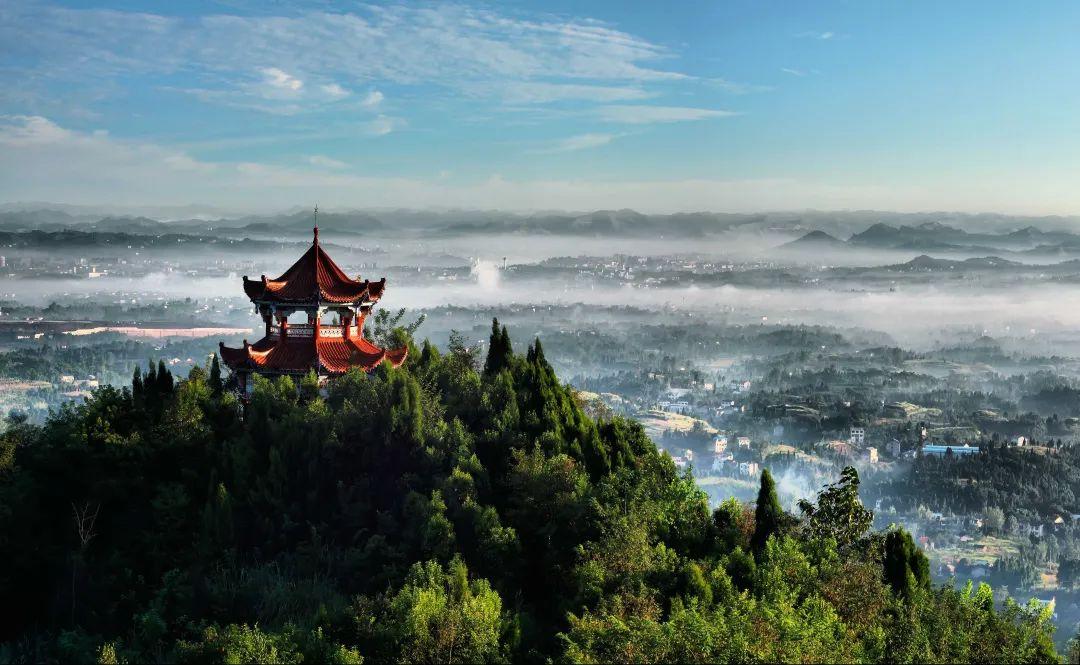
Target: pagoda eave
(327, 356)
(263, 293)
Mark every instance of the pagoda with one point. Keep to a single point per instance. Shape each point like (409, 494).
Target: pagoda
(317, 286)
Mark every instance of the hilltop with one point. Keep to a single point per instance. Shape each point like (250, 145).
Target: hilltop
(815, 240)
(445, 511)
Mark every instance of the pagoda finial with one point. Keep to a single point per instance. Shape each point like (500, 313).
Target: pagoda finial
(316, 223)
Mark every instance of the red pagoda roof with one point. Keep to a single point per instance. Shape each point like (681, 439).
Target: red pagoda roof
(314, 277)
(335, 355)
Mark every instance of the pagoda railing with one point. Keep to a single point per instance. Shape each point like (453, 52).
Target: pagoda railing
(308, 330)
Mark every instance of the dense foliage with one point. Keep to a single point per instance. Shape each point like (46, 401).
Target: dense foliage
(437, 513)
(1024, 484)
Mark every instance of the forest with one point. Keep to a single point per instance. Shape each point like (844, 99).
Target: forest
(455, 509)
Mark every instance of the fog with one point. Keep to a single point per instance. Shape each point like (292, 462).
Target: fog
(915, 309)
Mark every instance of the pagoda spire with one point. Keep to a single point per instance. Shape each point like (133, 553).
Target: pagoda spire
(316, 224)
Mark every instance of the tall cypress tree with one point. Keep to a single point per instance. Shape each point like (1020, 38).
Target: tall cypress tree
(492, 364)
(164, 379)
(768, 515)
(216, 383)
(538, 353)
(137, 386)
(500, 352)
(507, 348)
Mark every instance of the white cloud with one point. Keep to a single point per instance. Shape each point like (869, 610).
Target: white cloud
(822, 35)
(639, 114)
(323, 161)
(281, 80)
(736, 88)
(579, 142)
(373, 98)
(318, 56)
(334, 91)
(24, 130)
(383, 125)
(793, 71)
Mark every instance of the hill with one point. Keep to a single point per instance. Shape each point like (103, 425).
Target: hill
(437, 513)
(924, 263)
(815, 240)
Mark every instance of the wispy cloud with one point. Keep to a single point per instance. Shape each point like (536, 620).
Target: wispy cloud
(793, 71)
(541, 92)
(24, 130)
(641, 114)
(279, 81)
(579, 142)
(383, 125)
(736, 88)
(823, 35)
(317, 55)
(335, 91)
(372, 99)
(323, 161)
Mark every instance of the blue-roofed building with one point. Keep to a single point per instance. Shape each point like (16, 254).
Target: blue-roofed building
(941, 450)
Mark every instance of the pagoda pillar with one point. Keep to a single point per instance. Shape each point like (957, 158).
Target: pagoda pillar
(315, 319)
(283, 326)
(346, 323)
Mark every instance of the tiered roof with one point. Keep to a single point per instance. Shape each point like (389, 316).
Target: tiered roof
(313, 282)
(314, 278)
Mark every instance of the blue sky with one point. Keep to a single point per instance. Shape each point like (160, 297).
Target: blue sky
(525, 105)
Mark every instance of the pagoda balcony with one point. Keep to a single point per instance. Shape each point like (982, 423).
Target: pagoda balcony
(308, 330)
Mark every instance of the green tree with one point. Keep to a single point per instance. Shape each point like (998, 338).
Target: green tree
(838, 514)
(906, 566)
(216, 383)
(440, 616)
(137, 389)
(500, 351)
(164, 379)
(768, 515)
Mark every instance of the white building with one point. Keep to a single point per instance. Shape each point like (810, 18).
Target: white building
(857, 436)
(680, 407)
(720, 444)
(749, 468)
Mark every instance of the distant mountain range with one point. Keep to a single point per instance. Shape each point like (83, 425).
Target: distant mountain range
(919, 232)
(1028, 243)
